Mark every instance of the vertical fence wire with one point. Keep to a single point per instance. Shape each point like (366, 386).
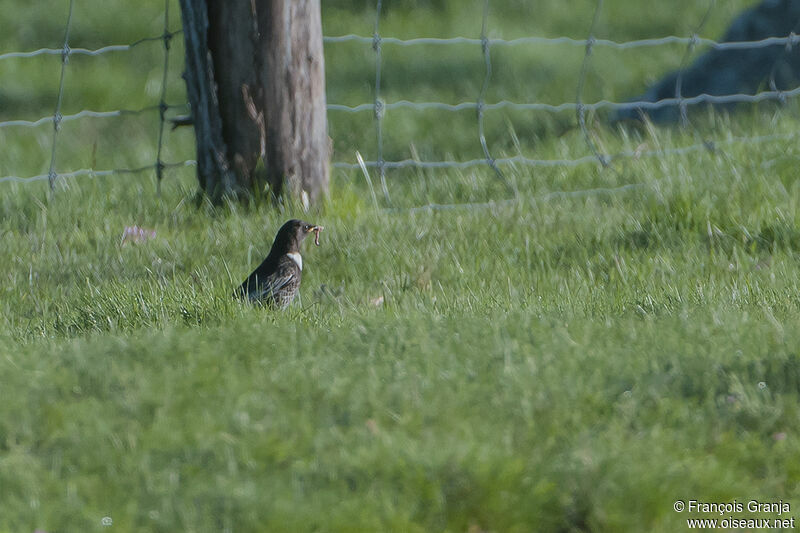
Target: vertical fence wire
(580, 108)
(65, 51)
(690, 47)
(480, 108)
(379, 107)
(784, 58)
(162, 104)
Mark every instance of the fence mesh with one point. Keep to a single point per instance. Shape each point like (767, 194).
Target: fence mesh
(57, 119)
(378, 107)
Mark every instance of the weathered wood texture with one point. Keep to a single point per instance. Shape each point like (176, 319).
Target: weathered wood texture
(261, 93)
(294, 93)
(213, 171)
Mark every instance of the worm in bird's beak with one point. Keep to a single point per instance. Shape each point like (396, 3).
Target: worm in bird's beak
(316, 230)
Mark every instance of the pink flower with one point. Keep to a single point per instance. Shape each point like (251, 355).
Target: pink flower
(137, 234)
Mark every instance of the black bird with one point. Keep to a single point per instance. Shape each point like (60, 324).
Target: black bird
(276, 280)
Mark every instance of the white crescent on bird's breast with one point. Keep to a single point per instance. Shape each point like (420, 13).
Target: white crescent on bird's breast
(297, 258)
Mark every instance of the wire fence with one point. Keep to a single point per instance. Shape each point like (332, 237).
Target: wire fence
(378, 107)
(57, 118)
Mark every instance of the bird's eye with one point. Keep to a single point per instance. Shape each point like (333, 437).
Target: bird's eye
(306, 227)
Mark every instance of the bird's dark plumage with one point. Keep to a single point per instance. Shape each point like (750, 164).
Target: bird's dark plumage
(277, 279)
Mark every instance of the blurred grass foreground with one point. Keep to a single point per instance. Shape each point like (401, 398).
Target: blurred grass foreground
(575, 350)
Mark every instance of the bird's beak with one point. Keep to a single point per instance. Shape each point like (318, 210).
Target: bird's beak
(316, 230)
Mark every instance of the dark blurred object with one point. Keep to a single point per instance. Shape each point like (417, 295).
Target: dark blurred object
(736, 71)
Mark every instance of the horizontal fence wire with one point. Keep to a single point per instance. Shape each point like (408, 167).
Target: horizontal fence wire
(85, 51)
(379, 107)
(474, 106)
(99, 173)
(574, 106)
(790, 40)
(706, 146)
(584, 193)
(87, 113)
(464, 164)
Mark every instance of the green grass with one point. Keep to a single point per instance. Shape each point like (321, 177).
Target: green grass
(423, 423)
(543, 363)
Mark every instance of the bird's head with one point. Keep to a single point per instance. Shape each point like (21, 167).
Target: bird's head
(294, 232)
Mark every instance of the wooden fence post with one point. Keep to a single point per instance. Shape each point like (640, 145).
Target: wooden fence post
(255, 76)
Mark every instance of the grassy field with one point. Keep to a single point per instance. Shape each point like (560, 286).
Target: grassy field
(544, 362)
